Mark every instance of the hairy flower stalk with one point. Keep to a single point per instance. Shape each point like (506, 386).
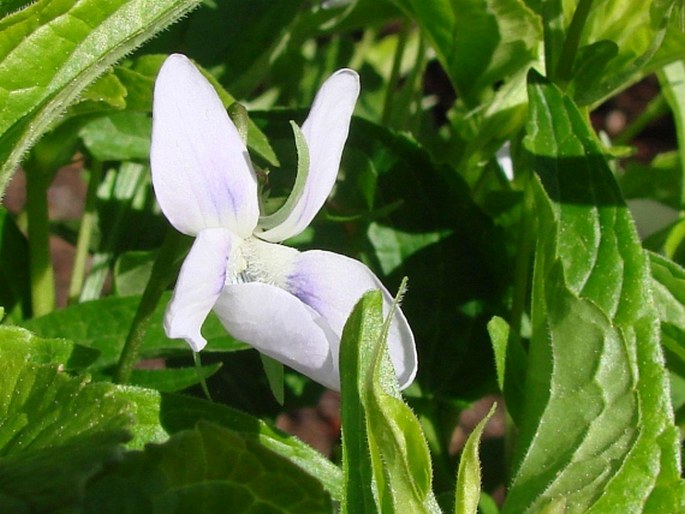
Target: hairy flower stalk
(290, 305)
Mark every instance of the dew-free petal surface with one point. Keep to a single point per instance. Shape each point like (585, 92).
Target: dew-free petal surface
(331, 284)
(201, 171)
(199, 284)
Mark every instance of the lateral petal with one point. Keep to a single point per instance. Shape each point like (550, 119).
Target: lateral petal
(280, 326)
(325, 131)
(199, 284)
(331, 284)
(201, 171)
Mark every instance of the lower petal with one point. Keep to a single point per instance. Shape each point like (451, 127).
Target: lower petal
(331, 284)
(199, 285)
(282, 327)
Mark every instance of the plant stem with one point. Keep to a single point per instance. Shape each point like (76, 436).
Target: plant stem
(564, 67)
(40, 265)
(164, 271)
(395, 73)
(85, 232)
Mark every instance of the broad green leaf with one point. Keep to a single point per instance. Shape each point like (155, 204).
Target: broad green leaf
(103, 324)
(54, 477)
(207, 469)
(122, 136)
(132, 272)
(177, 412)
(598, 431)
(49, 55)
(467, 495)
(56, 431)
(478, 42)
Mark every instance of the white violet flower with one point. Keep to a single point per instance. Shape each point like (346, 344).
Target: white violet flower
(290, 305)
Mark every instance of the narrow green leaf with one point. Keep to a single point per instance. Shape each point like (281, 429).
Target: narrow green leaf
(672, 80)
(275, 376)
(386, 460)
(467, 495)
(49, 55)
(362, 330)
(597, 413)
(276, 218)
(498, 329)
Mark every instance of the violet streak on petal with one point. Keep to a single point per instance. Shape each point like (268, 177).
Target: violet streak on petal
(199, 284)
(331, 284)
(201, 171)
(325, 129)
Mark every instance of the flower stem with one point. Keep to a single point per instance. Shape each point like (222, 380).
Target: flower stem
(40, 262)
(164, 271)
(564, 67)
(85, 232)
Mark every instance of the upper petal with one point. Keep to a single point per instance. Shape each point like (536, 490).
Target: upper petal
(325, 131)
(199, 284)
(279, 325)
(201, 171)
(331, 284)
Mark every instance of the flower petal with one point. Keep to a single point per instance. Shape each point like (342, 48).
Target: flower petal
(199, 284)
(331, 284)
(280, 326)
(201, 170)
(325, 131)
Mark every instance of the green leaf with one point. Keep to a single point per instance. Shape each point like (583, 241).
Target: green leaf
(54, 477)
(498, 328)
(122, 136)
(672, 80)
(103, 325)
(467, 495)
(378, 423)
(659, 180)
(668, 289)
(511, 364)
(170, 380)
(132, 272)
(207, 469)
(362, 329)
(610, 56)
(49, 55)
(478, 42)
(178, 413)
(598, 431)
(56, 431)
